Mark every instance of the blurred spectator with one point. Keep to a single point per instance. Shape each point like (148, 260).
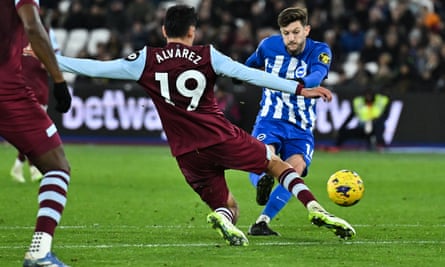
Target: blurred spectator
(96, 17)
(428, 67)
(378, 16)
(439, 73)
(330, 37)
(224, 38)
(431, 20)
(50, 4)
(317, 20)
(384, 74)
(361, 12)
(352, 39)
(138, 35)
(243, 40)
(391, 44)
(155, 37)
(140, 10)
(405, 77)
(116, 17)
(114, 45)
(402, 16)
(371, 47)
(77, 16)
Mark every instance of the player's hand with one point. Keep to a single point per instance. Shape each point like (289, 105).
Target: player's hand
(63, 97)
(317, 92)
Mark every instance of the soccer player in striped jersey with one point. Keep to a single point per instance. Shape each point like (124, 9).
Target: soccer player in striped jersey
(180, 78)
(285, 121)
(24, 124)
(36, 78)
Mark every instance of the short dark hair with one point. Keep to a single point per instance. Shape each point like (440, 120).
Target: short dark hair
(178, 20)
(292, 14)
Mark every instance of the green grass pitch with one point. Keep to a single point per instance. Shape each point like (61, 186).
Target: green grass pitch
(130, 206)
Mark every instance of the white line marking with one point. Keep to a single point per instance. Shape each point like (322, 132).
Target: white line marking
(105, 227)
(98, 226)
(305, 243)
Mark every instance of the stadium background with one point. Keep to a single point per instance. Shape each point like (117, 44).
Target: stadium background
(396, 47)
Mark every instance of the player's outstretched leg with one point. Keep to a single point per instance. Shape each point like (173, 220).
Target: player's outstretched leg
(317, 214)
(263, 189)
(49, 260)
(231, 234)
(320, 217)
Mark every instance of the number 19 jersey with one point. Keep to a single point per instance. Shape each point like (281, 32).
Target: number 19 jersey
(183, 77)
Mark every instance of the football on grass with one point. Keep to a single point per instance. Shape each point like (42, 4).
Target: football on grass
(345, 188)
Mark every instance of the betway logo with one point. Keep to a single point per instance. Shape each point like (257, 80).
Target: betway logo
(115, 111)
(332, 115)
(112, 111)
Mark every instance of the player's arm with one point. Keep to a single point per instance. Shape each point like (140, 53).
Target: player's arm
(319, 67)
(129, 68)
(255, 60)
(223, 65)
(39, 40)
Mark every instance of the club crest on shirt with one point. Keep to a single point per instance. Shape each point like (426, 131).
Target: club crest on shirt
(324, 58)
(261, 136)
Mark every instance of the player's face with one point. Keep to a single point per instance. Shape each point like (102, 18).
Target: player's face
(294, 36)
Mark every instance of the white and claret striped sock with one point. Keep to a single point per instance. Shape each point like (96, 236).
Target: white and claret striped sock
(226, 213)
(294, 184)
(52, 200)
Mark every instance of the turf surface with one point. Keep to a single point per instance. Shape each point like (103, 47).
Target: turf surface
(130, 206)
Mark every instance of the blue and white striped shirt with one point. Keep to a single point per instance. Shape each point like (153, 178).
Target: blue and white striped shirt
(311, 67)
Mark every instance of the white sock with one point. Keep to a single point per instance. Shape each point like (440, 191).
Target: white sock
(226, 213)
(263, 218)
(40, 244)
(314, 205)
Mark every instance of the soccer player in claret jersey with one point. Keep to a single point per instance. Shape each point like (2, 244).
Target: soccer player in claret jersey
(36, 78)
(24, 124)
(284, 121)
(180, 78)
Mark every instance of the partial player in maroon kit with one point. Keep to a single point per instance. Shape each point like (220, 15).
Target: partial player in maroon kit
(24, 124)
(36, 78)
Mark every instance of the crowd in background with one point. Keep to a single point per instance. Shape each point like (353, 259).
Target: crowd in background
(397, 46)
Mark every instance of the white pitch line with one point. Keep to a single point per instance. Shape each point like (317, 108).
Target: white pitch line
(263, 244)
(98, 226)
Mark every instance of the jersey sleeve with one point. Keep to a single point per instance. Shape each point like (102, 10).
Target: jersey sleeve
(129, 68)
(321, 62)
(256, 60)
(225, 66)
